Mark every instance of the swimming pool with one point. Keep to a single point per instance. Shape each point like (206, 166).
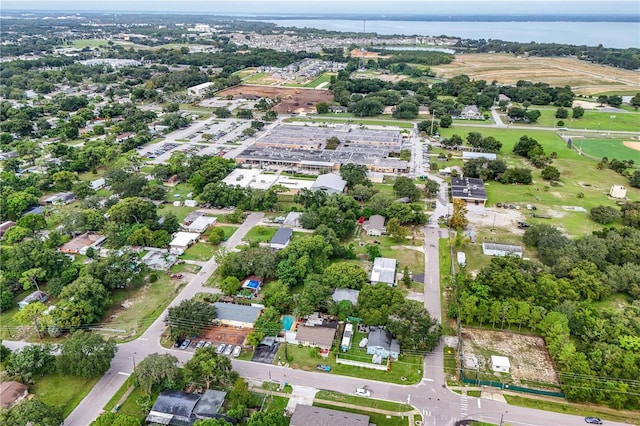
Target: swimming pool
(287, 322)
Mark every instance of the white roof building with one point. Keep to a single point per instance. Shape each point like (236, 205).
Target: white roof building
(500, 364)
(618, 191)
(98, 184)
(384, 271)
(201, 224)
(494, 249)
(199, 90)
(330, 183)
(182, 241)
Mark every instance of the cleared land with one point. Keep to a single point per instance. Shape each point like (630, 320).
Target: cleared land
(583, 77)
(530, 361)
(293, 99)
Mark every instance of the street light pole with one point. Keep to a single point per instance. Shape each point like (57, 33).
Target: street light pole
(611, 118)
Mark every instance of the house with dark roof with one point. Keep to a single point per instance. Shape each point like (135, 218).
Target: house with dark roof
(34, 210)
(236, 315)
(380, 342)
(11, 393)
(281, 238)
(307, 415)
(177, 408)
(36, 296)
(330, 183)
(470, 190)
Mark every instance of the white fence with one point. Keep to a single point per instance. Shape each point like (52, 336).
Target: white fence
(361, 364)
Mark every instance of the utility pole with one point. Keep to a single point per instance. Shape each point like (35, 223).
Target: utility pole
(501, 419)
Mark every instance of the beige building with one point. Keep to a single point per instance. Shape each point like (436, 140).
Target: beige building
(618, 191)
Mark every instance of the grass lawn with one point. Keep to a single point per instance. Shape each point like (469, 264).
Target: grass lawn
(363, 402)
(144, 306)
(201, 251)
(322, 78)
(409, 367)
(229, 230)
(592, 120)
(116, 397)
(180, 212)
(184, 267)
(607, 147)
(475, 394)
(583, 410)
(260, 234)
(375, 418)
(65, 392)
(80, 44)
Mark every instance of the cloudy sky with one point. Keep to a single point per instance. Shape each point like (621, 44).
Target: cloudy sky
(451, 7)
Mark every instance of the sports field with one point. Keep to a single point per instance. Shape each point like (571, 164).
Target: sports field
(607, 147)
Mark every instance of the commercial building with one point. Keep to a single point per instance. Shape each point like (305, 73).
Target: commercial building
(199, 90)
(470, 190)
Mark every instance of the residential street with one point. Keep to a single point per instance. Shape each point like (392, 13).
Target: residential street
(438, 405)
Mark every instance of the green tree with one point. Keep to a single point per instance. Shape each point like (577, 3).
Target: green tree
(155, 370)
(230, 286)
(322, 107)
(86, 354)
(562, 113)
(414, 327)
(269, 322)
(355, 174)
(604, 214)
(16, 234)
(345, 275)
(550, 173)
(404, 187)
(190, 318)
(116, 419)
(34, 222)
(406, 277)
(211, 422)
(577, 112)
(446, 121)
(373, 251)
(206, 365)
(377, 302)
(267, 418)
(239, 395)
(216, 235)
(34, 412)
(222, 112)
(31, 361)
(458, 218)
(84, 301)
(396, 231)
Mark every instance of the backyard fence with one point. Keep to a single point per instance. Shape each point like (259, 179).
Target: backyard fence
(512, 388)
(361, 364)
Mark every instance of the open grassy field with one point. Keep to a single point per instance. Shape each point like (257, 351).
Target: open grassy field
(583, 77)
(261, 78)
(592, 120)
(352, 120)
(81, 44)
(606, 147)
(322, 78)
(201, 251)
(62, 391)
(581, 183)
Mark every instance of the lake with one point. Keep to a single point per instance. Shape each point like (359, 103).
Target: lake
(609, 34)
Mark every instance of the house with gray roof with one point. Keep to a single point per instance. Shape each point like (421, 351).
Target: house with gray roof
(340, 294)
(495, 249)
(281, 238)
(36, 296)
(471, 112)
(330, 183)
(384, 271)
(375, 226)
(178, 408)
(235, 315)
(469, 155)
(307, 415)
(470, 190)
(380, 342)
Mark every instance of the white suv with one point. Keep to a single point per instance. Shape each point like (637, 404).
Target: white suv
(363, 392)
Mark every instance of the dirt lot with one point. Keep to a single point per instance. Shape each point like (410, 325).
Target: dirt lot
(293, 99)
(527, 354)
(225, 334)
(494, 217)
(583, 77)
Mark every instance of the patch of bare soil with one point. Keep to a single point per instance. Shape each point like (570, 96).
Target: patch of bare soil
(495, 218)
(528, 355)
(633, 145)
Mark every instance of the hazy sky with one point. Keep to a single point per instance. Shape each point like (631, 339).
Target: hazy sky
(336, 6)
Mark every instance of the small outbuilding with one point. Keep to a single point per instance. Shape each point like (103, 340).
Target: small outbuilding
(98, 184)
(36, 296)
(618, 191)
(500, 364)
(12, 393)
(493, 249)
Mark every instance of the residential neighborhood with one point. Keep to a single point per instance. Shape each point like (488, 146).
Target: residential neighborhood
(214, 220)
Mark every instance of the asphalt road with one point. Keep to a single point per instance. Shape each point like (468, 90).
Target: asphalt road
(438, 405)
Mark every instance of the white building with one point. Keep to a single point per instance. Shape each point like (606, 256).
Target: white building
(182, 241)
(201, 224)
(98, 184)
(384, 271)
(330, 183)
(500, 364)
(199, 90)
(493, 249)
(462, 258)
(618, 191)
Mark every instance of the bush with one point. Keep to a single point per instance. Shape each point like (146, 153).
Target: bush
(604, 214)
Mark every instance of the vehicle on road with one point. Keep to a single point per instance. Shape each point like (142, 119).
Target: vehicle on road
(185, 344)
(593, 420)
(228, 350)
(221, 347)
(236, 351)
(322, 367)
(363, 392)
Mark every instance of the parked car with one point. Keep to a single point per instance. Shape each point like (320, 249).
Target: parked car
(185, 344)
(593, 420)
(207, 345)
(176, 276)
(200, 344)
(220, 349)
(236, 351)
(323, 367)
(363, 392)
(228, 350)
(179, 342)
